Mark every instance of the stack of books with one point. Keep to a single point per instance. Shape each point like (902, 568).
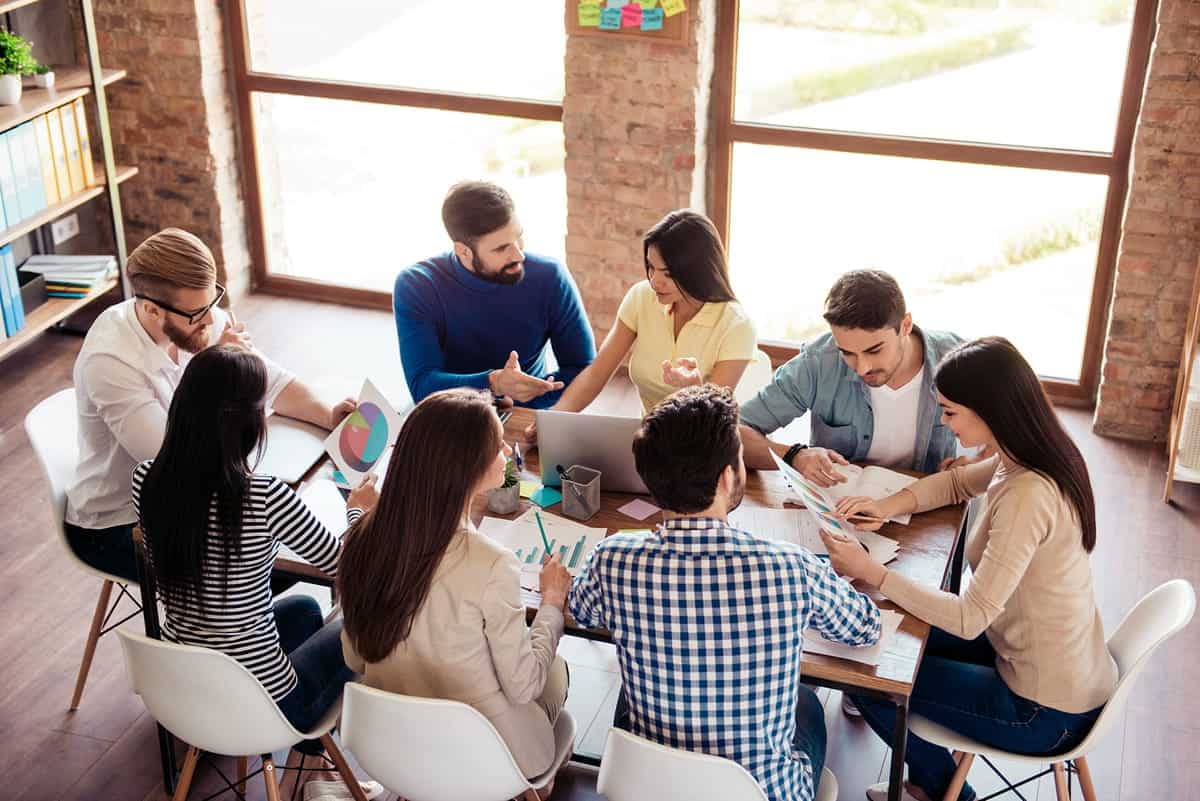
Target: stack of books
(71, 276)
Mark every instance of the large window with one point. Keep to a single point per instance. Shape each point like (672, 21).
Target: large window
(976, 149)
(359, 115)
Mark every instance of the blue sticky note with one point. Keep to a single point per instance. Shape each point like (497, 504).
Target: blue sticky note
(546, 496)
(652, 19)
(610, 19)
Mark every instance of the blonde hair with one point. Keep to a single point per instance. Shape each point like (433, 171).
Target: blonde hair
(171, 259)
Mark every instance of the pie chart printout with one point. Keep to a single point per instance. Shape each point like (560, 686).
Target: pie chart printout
(364, 437)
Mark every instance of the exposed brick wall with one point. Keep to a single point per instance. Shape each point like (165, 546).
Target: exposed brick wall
(1161, 238)
(173, 118)
(635, 119)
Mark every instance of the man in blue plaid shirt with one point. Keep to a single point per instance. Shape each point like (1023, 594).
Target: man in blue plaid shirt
(707, 619)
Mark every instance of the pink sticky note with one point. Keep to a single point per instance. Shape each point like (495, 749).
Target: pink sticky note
(638, 509)
(631, 16)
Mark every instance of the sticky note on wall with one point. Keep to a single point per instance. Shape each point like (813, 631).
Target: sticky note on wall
(617, 4)
(648, 4)
(631, 16)
(610, 19)
(652, 19)
(589, 14)
(673, 7)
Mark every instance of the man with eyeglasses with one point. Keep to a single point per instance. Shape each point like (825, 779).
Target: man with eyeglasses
(126, 374)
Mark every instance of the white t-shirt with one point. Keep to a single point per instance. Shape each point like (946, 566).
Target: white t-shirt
(896, 412)
(124, 383)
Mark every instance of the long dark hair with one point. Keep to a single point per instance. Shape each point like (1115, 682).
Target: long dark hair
(390, 556)
(691, 248)
(215, 423)
(991, 378)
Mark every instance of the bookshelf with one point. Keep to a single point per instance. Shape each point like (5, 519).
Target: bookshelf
(1188, 381)
(86, 81)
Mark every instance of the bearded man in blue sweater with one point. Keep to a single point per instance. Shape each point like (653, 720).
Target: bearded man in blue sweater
(486, 314)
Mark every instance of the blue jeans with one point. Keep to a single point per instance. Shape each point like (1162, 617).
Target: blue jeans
(810, 736)
(315, 650)
(107, 549)
(958, 686)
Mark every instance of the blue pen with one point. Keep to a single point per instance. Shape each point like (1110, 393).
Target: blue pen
(517, 456)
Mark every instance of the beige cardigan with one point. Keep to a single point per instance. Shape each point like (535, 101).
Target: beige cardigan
(469, 642)
(1031, 588)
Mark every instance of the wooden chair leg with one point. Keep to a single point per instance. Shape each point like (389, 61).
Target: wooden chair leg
(343, 768)
(242, 770)
(1085, 779)
(269, 778)
(530, 794)
(89, 649)
(1060, 782)
(185, 775)
(960, 776)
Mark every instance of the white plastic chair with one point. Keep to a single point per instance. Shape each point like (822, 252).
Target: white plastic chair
(757, 375)
(52, 427)
(634, 768)
(214, 704)
(437, 750)
(1156, 618)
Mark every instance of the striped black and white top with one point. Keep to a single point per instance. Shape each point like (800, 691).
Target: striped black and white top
(237, 619)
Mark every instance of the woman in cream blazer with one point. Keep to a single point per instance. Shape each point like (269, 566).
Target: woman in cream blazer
(432, 607)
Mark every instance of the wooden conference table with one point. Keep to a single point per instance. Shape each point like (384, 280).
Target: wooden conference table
(930, 553)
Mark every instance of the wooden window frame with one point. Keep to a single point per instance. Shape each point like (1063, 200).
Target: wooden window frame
(1114, 165)
(248, 82)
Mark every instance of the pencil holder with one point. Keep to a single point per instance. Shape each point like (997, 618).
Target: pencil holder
(581, 492)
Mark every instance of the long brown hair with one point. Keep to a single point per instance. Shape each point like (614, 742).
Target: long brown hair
(691, 248)
(390, 556)
(991, 378)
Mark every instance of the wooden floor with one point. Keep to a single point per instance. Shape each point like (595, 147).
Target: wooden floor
(107, 749)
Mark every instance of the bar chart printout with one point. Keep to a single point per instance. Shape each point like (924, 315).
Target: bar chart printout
(568, 540)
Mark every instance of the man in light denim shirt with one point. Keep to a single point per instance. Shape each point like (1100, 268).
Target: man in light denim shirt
(868, 384)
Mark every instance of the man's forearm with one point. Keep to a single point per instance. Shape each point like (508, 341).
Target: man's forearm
(297, 401)
(757, 449)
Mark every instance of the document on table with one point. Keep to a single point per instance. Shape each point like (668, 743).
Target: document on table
(326, 502)
(815, 643)
(801, 528)
(571, 541)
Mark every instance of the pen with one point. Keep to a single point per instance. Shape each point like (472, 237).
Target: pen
(542, 529)
(517, 456)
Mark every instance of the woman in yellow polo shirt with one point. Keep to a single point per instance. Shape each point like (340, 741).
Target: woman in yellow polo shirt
(683, 323)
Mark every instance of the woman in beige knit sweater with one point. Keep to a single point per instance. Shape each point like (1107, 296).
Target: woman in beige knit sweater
(1018, 660)
(432, 607)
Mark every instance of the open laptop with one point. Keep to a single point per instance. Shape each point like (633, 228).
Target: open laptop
(592, 440)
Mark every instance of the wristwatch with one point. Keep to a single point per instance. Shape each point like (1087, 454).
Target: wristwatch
(792, 451)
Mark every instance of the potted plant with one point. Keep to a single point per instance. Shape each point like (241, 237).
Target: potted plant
(16, 59)
(43, 76)
(506, 499)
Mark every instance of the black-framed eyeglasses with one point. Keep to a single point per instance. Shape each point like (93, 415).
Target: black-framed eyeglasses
(192, 317)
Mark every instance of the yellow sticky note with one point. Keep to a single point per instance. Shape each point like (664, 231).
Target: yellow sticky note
(529, 487)
(589, 14)
(648, 4)
(673, 7)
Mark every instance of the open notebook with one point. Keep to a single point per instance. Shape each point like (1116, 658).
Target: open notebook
(873, 482)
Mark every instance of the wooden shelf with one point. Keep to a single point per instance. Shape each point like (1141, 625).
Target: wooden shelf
(51, 213)
(69, 83)
(1186, 474)
(49, 313)
(13, 5)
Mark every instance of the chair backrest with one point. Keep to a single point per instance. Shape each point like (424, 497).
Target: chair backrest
(53, 426)
(1157, 617)
(634, 768)
(428, 748)
(757, 375)
(205, 698)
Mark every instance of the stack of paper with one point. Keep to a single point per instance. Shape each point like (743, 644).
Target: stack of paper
(872, 482)
(71, 276)
(815, 643)
(571, 541)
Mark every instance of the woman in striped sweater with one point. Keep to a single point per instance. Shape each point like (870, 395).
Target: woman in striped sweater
(213, 529)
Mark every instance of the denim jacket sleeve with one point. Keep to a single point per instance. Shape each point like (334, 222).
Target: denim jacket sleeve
(787, 397)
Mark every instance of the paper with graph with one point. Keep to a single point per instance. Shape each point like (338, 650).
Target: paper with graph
(822, 508)
(815, 643)
(571, 541)
(358, 444)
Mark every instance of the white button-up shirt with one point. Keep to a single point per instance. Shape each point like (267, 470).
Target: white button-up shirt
(124, 383)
